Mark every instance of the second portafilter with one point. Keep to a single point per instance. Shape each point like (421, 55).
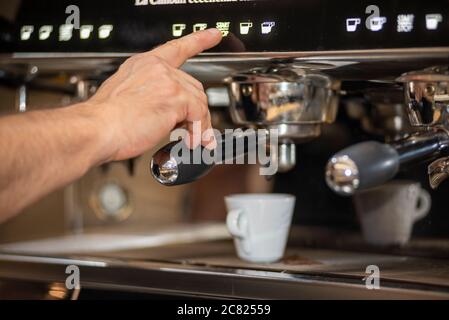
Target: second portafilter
(370, 164)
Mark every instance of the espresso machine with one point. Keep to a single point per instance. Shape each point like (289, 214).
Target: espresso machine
(357, 91)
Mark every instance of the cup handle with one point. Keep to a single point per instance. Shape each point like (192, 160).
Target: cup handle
(425, 202)
(237, 224)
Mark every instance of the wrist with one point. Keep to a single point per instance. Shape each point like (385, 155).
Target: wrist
(99, 136)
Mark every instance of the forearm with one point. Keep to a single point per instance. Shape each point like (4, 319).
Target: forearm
(43, 151)
(129, 114)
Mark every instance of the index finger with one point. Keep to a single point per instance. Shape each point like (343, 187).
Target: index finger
(176, 52)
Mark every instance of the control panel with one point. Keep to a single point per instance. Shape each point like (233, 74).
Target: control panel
(247, 25)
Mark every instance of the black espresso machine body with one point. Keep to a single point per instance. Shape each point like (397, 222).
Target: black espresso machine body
(365, 46)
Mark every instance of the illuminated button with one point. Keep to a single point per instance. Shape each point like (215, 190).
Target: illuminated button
(104, 31)
(45, 32)
(66, 32)
(224, 28)
(245, 27)
(376, 24)
(433, 20)
(178, 29)
(267, 27)
(352, 24)
(405, 22)
(199, 27)
(86, 31)
(26, 32)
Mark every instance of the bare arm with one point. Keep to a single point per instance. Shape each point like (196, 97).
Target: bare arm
(131, 112)
(43, 151)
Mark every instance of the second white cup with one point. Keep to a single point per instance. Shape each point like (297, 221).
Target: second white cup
(260, 225)
(387, 213)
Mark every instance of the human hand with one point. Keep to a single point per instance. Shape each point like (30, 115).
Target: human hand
(149, 96)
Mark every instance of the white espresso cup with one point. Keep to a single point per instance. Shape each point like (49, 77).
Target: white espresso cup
(388, 213)
(260, 225)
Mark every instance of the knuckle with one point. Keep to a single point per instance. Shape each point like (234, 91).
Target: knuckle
(175, 89)
(183, 110)
(201, 110)
(199, 84)
(135, 58)
(195, 82)
(131, 64)
(194, 110)
(153, 60)
(179, 110)
(169, 113)
(132, 61)
(205, 110)
(203, 98)
(161, 69)
(125, 65)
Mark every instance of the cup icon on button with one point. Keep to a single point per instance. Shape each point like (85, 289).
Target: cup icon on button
(245, 27)
(432, 21)
(178, 29)
(199, 27)
(352, 24)
(267, 27)
(377, 23)
(25, 32)
(104, 31)
(45, 32)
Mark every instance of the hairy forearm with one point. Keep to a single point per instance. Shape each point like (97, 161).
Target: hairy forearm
(44, 150)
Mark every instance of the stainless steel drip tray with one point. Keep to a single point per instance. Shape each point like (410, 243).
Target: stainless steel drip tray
(206, 265)
(350, 266)
(317, 252)
(211, 269)
(310, 250)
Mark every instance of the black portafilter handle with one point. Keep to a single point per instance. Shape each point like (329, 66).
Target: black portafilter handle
(370, 164)
(176, 164)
